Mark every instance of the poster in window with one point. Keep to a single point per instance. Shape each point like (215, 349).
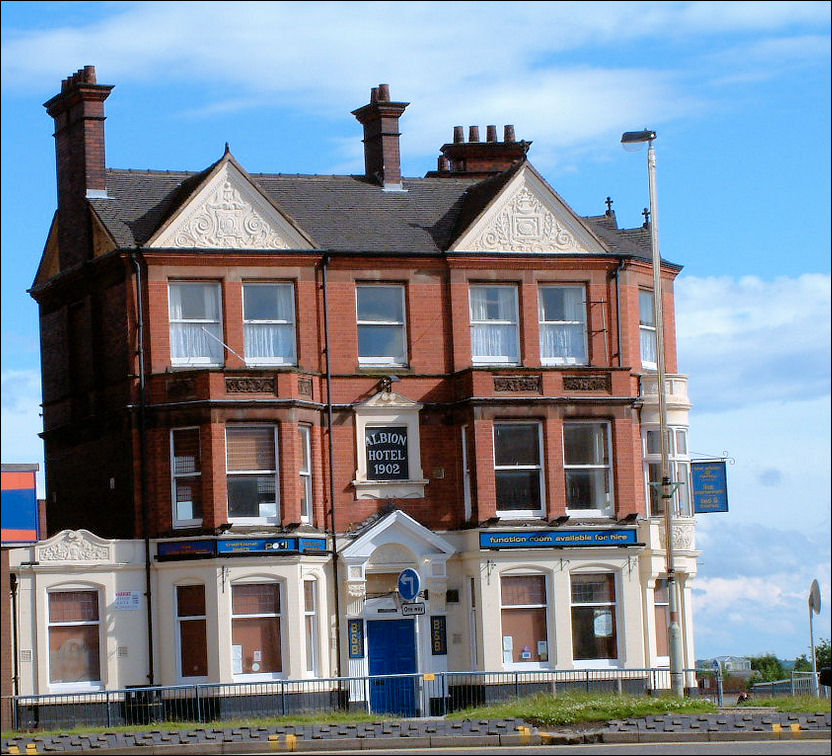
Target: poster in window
(386, 452)
(603, 623)
(237, 659)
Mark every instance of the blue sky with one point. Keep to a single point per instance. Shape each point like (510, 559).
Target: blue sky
(739, 94)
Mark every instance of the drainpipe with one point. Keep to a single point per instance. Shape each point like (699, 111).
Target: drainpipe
(621, 264)
(15, 639)
(143, 462)
(333, 523)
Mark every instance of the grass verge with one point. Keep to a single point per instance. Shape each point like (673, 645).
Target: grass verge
(794, 704)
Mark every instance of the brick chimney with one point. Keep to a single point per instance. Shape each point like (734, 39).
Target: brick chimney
(478, 159)
(380, 119)
(79, 148)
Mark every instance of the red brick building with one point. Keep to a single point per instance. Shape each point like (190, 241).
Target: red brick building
(329, 379)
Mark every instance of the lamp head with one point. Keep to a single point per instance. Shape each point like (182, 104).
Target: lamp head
(632, 140)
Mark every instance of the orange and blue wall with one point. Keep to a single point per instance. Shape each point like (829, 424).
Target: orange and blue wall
(19, 505)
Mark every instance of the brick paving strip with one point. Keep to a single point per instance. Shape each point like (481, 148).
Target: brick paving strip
(427, 733)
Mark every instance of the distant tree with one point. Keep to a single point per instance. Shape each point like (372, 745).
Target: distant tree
(823, 653)
(802, 664)
(766, 668)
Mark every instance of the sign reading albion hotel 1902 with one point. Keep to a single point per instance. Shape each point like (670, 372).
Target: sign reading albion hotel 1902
(386, 452)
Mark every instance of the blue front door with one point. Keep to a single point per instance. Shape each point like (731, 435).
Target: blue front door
(392, 651)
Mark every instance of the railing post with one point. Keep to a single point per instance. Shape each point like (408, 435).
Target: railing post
(283, 697)
(198, 704)
(107, 704)
(517, 686)
(587, 680)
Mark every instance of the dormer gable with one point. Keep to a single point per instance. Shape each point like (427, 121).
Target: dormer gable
(229, 211)
(528, 215)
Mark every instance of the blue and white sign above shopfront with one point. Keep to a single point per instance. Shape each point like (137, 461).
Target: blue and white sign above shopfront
(542, 539)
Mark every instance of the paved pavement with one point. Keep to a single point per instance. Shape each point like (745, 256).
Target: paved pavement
(423, 734)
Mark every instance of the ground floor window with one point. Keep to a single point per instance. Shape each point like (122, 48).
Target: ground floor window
(525, 636)
(661, 607)
(74, 631)
(594, 633)
(255, 628)
(191, 618)
(310, 619)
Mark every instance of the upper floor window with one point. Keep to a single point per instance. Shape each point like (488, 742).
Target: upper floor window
(191, 618)
(251, 453)
(562, 312)
(678, 469)
(495, 337)
(304, 432)
(256, 647)
(381, 325)
(594, 633)
(269, 323)
(587, 463)
(186, 477)
(74, 637)
(517, 469)
(195, 323)
(647, 330)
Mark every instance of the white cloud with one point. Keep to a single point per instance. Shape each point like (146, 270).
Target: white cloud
(21, 421)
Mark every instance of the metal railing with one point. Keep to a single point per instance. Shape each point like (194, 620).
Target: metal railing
(413, 695)
(799, 684)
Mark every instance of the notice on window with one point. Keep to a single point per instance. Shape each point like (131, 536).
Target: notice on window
(237, 659)
(386, 452)
(603, 624)
(128, 600)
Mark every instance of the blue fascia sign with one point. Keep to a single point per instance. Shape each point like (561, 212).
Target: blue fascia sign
(709, 486)
(208, 548)
(543, 539)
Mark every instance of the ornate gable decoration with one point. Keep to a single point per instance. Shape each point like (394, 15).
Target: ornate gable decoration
(528, 216)
(229, 212)
(74, 546)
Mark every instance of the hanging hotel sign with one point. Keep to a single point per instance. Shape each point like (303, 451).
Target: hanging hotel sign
(710, 486)
(386, 452)
(541, 539)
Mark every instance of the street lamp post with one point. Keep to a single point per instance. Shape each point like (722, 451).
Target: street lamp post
(635, 139)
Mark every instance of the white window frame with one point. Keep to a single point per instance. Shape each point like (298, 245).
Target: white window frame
(175, 477)
(505, 359)
(291, 323)
(678, 462)
(401, 325)
(597, 663)
(647, 330)
(543, 324)
(527, 665)
(661, 659)
(260, 676)
(473, 620)
(609, 511)
(519, 514)
(240, 473)
(310, 627)
(201, 361)
(305, 473)
(80, 685)
(178, 619)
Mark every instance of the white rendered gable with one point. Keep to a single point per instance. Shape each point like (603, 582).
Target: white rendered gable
(229, 212)
(528, 216)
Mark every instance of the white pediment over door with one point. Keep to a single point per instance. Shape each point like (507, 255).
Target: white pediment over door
(528, 216)
(229, 212)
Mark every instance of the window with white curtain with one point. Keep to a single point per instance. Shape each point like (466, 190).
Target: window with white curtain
(587, 463)
(381, 324)
(269, 323)
(251, 459)
(647, 330)
(562, 312)
(195, 323)
(495, 337)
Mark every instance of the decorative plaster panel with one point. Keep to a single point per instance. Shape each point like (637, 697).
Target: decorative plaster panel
(74, 546)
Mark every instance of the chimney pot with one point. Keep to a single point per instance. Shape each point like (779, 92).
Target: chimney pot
(508, 132)
(473, 133)
(373, 95)
(444, 164)
(490, 133)
(384, 93)
(459, 134)
(89, 74)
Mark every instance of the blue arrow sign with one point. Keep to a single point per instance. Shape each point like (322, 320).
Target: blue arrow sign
(408, 584)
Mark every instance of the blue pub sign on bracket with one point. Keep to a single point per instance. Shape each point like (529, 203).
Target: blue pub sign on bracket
(709, 486)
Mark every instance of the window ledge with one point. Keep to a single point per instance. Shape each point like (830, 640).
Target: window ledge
(390, 489)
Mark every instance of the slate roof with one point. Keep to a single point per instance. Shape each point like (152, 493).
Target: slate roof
(341, 213)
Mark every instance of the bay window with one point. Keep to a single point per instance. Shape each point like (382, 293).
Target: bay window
(587, 464)
(186, 477)
(594, 630)
(255, 629)
(74, 637)
(647, 330)
(523, 615)
(661, 609)
(678, 469)
(269, 323)
(304, 432)
(251, 462)
(517, 469)
(381, 325)
(562, 312)
(310, 620)
(195, 324)
(495, 337)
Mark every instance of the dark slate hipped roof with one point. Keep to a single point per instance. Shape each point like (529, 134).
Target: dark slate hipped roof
(341, 213)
